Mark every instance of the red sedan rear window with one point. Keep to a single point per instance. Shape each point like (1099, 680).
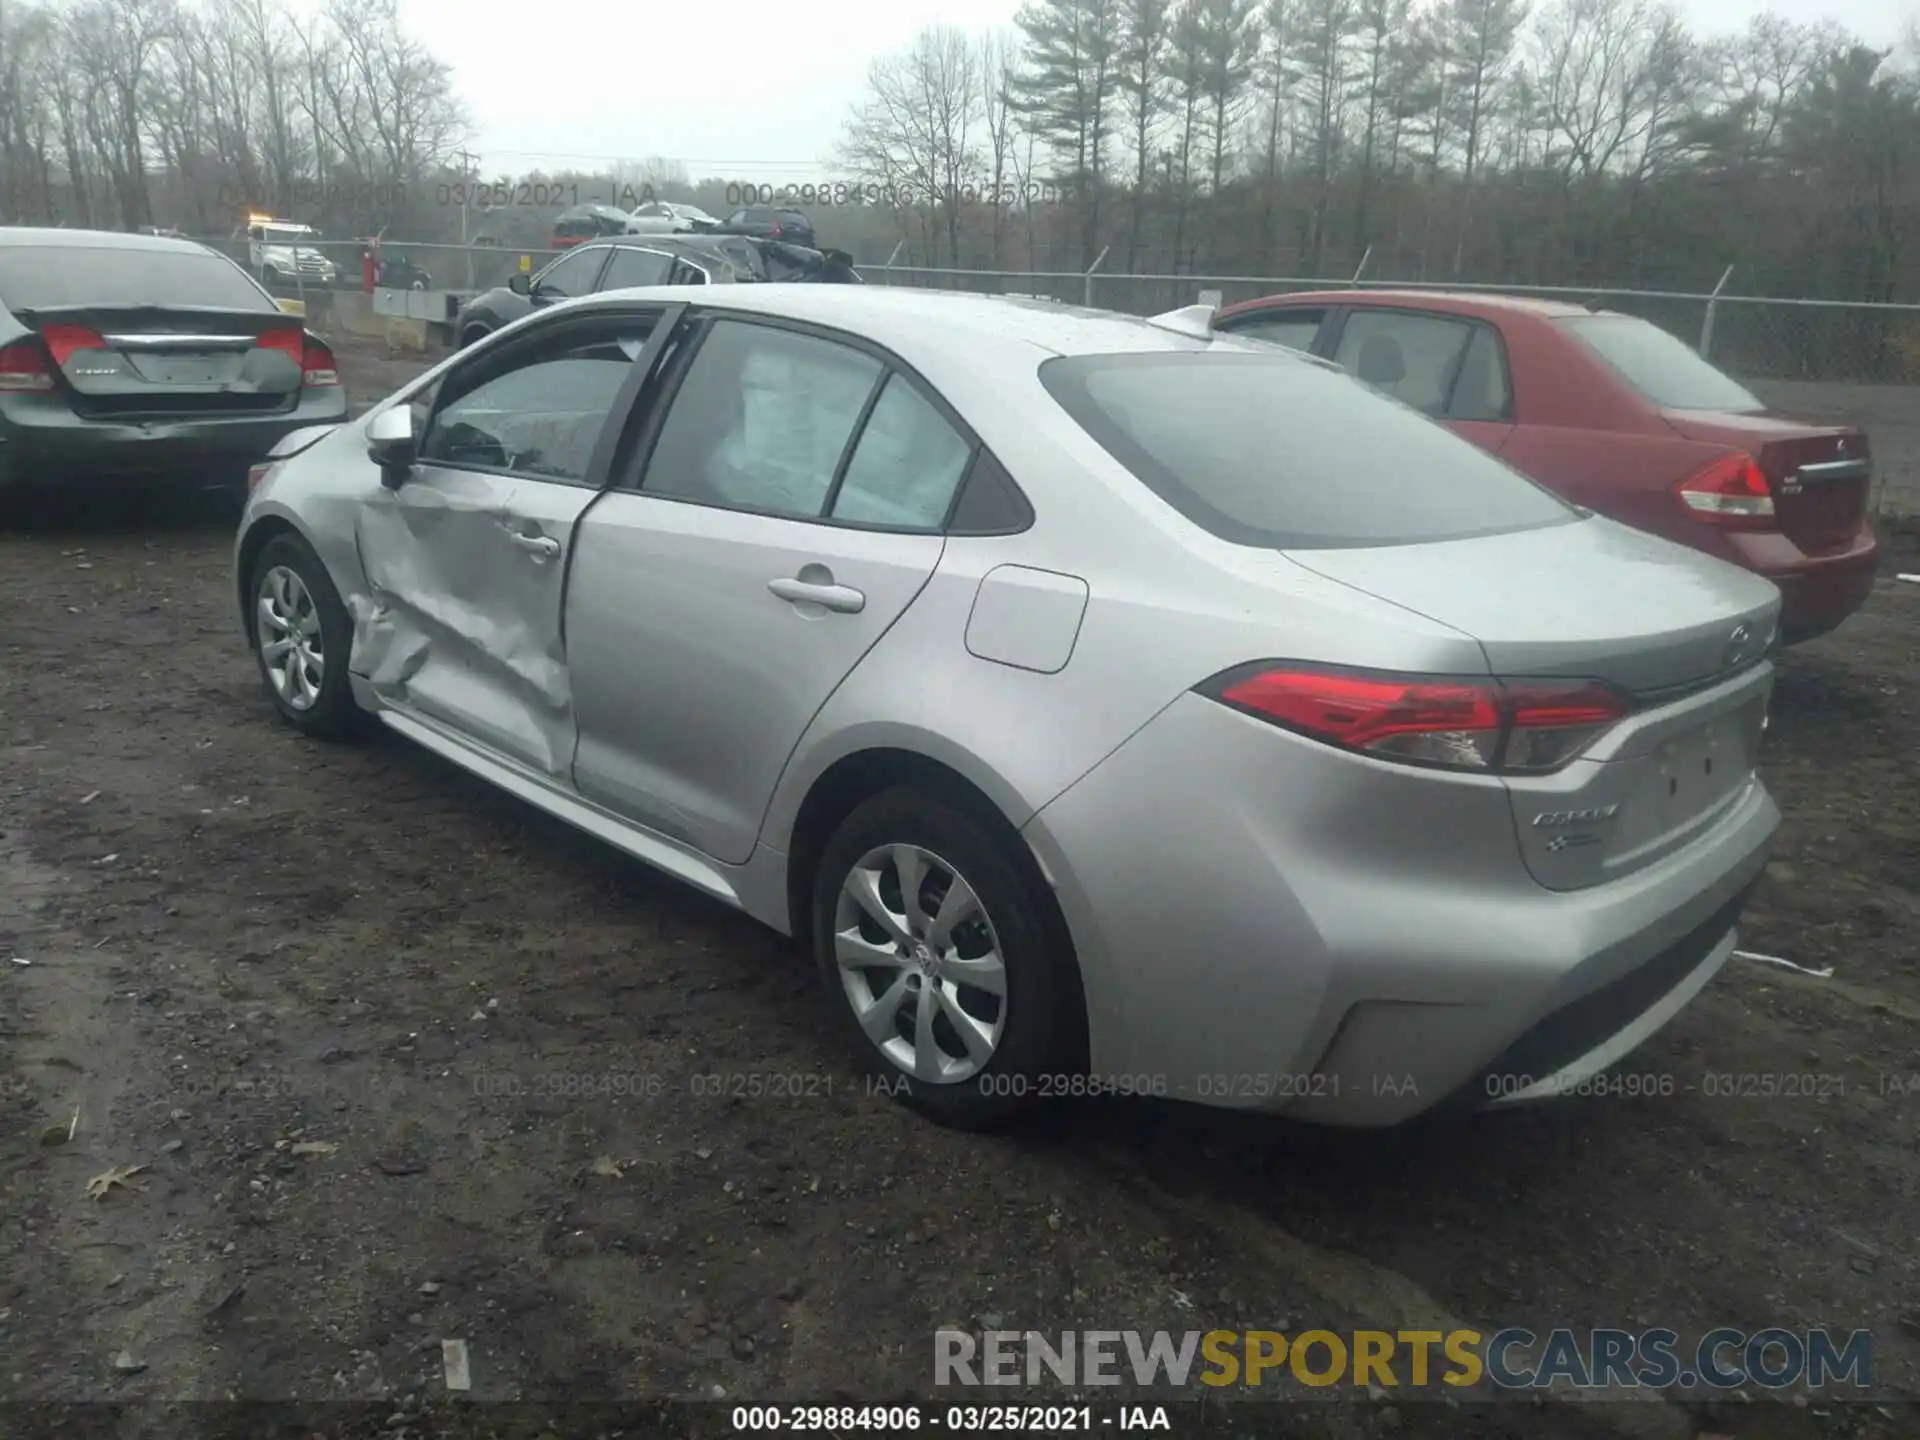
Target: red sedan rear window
(1660, 367)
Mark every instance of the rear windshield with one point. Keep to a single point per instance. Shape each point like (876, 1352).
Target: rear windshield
(1660, 367)
(1275, 451)
(37, 277)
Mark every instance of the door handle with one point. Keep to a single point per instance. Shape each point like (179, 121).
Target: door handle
(841, 598)
(541, 547)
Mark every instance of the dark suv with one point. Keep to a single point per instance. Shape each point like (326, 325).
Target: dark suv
(624, 261)
(772, 223)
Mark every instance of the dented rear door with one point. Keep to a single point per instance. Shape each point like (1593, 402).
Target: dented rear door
(468, 558)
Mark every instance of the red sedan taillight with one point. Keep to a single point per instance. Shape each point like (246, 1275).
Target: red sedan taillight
(1497, 726)
(1731, 491)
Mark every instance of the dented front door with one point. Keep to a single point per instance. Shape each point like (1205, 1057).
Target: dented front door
(468, 557)
(468, 569)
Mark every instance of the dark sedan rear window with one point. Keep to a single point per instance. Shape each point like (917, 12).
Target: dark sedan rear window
(1664, 369)
(1274, 451)
(36, 277)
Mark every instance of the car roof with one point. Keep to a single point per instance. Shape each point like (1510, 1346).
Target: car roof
(912, 322)
(1454, 302)
(25, 235)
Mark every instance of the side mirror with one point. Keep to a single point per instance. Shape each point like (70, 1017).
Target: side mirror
(390, 443)
(520, 284)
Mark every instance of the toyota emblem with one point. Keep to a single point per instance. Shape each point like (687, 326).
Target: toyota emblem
(1737, 644)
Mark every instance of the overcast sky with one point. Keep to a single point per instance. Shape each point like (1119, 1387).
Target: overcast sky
(757, 90)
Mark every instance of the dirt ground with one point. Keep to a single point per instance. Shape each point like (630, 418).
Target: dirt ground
(405, 1061)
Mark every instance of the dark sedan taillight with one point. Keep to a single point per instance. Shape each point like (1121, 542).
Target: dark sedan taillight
(64, 341)
(1496, 726)
(317, 365)
(23, 367)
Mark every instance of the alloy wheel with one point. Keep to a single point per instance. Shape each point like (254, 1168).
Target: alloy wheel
(290, 638)
(920, 963)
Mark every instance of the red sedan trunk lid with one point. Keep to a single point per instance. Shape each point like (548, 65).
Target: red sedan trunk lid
(1819, 473)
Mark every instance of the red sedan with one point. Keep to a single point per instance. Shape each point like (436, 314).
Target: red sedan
(1614, 414)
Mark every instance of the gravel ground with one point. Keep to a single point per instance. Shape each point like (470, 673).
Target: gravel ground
(404, 1061)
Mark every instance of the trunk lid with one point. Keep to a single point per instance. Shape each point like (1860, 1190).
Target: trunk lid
(1684, 633)
(173, 360)
(1819, 472)
(1592, 599)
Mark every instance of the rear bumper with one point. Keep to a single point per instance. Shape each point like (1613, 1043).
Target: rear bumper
(44, 446)
(1817, 592)
(1265, 923)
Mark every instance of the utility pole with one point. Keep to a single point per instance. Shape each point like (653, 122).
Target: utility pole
(469, 164)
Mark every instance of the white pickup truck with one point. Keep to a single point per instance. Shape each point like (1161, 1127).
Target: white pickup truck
(282, 253)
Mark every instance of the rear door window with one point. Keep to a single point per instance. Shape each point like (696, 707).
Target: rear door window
(1664, 369)
(630, 267)
(33, 276)
(907, 465)
(1273, 451)
(1481, 391)
(1414, 358)
(761, 420)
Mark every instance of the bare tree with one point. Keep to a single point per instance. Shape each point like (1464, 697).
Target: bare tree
(1067, 93)
(917, 129)
(1140, 77)
(996, 67)
(1326, 32)
(1478, 36)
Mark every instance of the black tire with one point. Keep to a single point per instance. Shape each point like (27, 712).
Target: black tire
(333, 714)
(1038, 992)
(473, 335)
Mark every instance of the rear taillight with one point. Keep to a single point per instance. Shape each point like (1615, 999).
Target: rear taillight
(1497, 726)
(1730, 491)
(316, 365)
(23, 366)
(257, 473)
(291, 342)
(64, 341)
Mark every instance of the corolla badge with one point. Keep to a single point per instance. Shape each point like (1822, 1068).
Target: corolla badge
(1556, 819)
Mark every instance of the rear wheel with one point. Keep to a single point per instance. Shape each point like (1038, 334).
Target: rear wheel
(933, 954)
(473, 335)
(301, 638)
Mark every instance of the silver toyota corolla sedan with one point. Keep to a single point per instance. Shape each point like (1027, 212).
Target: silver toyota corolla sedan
(1109, 707)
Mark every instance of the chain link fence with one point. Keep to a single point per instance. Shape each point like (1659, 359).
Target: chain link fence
(1851, 362)
(1845, 362)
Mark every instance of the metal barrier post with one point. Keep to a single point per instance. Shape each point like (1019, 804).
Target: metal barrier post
(1098, 260)
(1706, 325)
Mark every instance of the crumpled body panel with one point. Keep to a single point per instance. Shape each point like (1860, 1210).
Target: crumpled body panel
(462, 620)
